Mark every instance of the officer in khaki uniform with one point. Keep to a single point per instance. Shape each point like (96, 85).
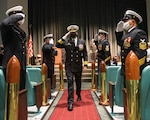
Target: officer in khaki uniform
(75, 50)
(135, 39)
(14, 40)
(103, 47)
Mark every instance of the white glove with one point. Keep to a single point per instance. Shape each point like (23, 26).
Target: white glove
(119, 26)
(96, 37)
(51, 41)
(21, 21)
(66, 36)
(23, 15)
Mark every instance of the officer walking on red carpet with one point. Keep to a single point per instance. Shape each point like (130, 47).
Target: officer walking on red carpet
(14, 40)
(135, 39)
(75, 50)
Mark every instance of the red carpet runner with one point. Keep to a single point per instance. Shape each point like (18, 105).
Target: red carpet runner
(82, 110)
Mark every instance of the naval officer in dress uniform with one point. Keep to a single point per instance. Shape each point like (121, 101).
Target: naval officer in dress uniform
(49, 51)
(14, 40)
(75, 50)
(103, 47)
(135, 39)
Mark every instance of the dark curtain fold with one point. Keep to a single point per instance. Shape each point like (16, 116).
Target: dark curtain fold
(53, 16)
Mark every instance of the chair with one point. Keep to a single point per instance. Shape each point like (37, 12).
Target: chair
(2, 99)
(34, 66)
(22, 105)
(115, 90)
(54, 81)
(2, 94)
(118, 89)
(145, 93)
(1, 67)
(35, 74)
(111, 72)
(34, 91)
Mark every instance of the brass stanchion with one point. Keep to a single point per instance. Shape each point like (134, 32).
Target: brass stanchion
(12, 89)
(93, 76)
(61, 76)
(44, 80)
(103, 99)
(132, 71)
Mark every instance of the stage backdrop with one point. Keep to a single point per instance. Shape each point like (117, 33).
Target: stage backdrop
(53, 16)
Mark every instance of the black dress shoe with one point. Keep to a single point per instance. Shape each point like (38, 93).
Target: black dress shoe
(70, 107)
(79, 98)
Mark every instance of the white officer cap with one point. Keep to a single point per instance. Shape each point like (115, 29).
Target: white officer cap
(129, 14)
(73, 28)
(38, 55)
(14, 10)
(102, 31)
(48, 36)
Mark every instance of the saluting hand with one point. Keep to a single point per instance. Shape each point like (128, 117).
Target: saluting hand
(66, 35)
(119, 26)
(96, 37)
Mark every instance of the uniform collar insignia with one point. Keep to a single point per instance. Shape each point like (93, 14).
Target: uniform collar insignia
(142, 40)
